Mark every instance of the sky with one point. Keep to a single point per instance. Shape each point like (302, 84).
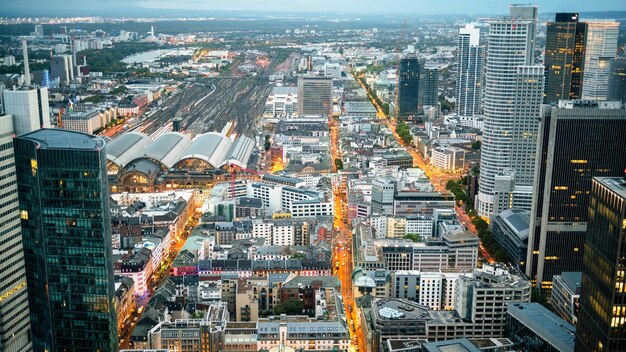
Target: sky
(42, 7)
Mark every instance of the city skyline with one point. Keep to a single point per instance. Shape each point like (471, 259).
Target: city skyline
(349, 176)
(162, 7)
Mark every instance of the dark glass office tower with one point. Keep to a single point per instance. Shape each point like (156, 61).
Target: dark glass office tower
(578, 140)
(564, 57)
(431, 86)
(602, 313)
(409, 93)
(64, 210)
(617, 80)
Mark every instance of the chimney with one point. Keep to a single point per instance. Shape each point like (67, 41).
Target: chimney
(26, 67)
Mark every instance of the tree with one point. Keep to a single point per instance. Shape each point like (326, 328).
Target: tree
(339, 164)
(476, 145)
(291, 306)
(385, 108)
(413, 237)
(405, 134)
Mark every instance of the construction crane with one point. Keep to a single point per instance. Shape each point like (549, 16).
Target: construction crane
(233, 176)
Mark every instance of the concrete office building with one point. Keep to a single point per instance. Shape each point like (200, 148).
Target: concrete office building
(469, 71)
(510, 230)
(315, 95)
(282, 101)
(62, 68)
(410, 91)
(66, 226)
(578, 140)
(564, 57)
(617, 80)
(600, 49)
(383, 190)
(527, 110)
(483, 297)
(602, 313)
(28, 105)
(14, 310)
(510, 43)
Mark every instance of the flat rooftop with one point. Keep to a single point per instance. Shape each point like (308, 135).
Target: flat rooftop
(56, 138)
(550, 327)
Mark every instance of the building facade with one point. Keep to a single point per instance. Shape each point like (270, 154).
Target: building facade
(564, 57)
(617, 80)
(600, 49)
(14, 310)
(431, 86)
(64, 207)
(578, 141)
(470, 68)
(602, 314)
(410, 102)
(315, 95)
(510, 43)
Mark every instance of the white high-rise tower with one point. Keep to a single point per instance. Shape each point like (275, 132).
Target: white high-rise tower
(510, 44)
(600, 49)
(28, 105)
(470, 67)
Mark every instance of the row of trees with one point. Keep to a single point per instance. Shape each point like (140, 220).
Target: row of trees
(486, 237)
(404, 132)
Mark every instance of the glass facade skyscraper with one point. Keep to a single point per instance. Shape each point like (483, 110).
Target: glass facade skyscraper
(64, 210)
(578, 140)
(410, 93)
(602, 313)
(565, 57)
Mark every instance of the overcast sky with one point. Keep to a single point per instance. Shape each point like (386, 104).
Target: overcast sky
(360, 6)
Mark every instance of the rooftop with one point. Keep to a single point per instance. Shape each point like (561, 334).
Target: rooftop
(55, 138)
(399, 309)
(544, 323)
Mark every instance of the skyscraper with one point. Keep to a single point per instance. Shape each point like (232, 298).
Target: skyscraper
(600, 49)
(510, 46)
(602, 312)
(28, 105)
(431, 86)
(62, 68)
(578, 140)
(14, 318)
(66, 226)
(410, 102)
(527, 110)
(617, 80)
(564, 57)
(469, 71)
(315, 95)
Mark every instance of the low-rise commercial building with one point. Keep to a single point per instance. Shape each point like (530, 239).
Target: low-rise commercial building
(565, 295)
(510, 230)
(533, 328)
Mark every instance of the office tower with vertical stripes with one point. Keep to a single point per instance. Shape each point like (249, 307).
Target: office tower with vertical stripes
(578, 140)
(602, 312)
(14, 311)
(469, 71)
